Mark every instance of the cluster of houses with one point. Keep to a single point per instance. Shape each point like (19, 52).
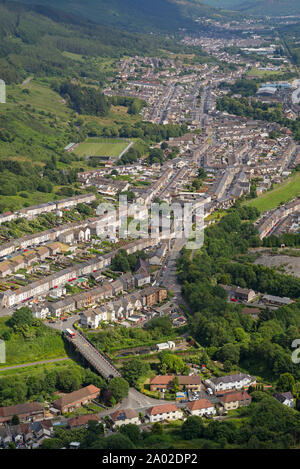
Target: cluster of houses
(246, 295)
(270, 220)
(40, 289)
(124, 308)
(226, 393)
(28, 258)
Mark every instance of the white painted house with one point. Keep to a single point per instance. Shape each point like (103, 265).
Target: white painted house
(201, 407)
(159, 413)
(225, 383)
(124, 417)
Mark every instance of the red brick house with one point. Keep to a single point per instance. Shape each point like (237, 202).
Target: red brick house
(76, 399)
(26, 412)
(162, 383)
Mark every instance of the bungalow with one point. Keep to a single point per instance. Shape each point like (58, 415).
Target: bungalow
(236, 399)
(159, 413)
(25, 412)
(225, 383)
(82, 420)
(124, 417)
(76, 399)
(162, 383)
(201, 407)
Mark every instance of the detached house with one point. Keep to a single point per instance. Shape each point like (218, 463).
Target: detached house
(285, 398)
(159, 413)
(225, 383)
(124, 417)
(236, 399)
(201, 407)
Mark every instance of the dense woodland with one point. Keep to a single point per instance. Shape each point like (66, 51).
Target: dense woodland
(34, 38)
(263, 346)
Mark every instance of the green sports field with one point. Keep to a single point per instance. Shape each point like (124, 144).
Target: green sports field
(280, 194)
(101, 147)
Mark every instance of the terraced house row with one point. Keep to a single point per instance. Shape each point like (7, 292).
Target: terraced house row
(40, 288)
(35, 210)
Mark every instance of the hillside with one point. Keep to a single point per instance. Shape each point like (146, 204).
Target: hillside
(259, 7)
(137, 15)
(34, 38)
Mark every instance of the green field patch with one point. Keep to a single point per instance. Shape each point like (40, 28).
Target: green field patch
(101, 147)
(73, 56)
(282, 193)
(39, 343)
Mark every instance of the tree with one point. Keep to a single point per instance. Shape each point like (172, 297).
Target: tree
(52, 443)
(119, 388)
(175, 384)
(15, 420)
(118, 441)
(192, 428)
(132, 432)
(171, 362)
(21, 317)
(286, 383)
(230, 353)
(134, 369)
(157, 428)
(95, 430)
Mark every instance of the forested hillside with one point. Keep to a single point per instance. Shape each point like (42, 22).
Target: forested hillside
(259, 7)
(32, 40)
(137, 15)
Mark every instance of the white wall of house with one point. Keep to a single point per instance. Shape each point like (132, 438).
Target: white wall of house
(176, 415)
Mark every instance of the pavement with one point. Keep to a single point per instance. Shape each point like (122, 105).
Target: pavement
(136, 401)
(42, 362)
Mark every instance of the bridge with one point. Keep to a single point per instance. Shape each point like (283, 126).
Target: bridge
(93, 356)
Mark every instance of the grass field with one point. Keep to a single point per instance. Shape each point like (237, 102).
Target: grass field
(280, 194)
(45, 344)
(262, 73)
(101, 147)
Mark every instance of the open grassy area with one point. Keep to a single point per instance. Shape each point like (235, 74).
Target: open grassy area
(39, 95)
(101, 147)
(282, 193)
(41, 343)
(262, 73)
